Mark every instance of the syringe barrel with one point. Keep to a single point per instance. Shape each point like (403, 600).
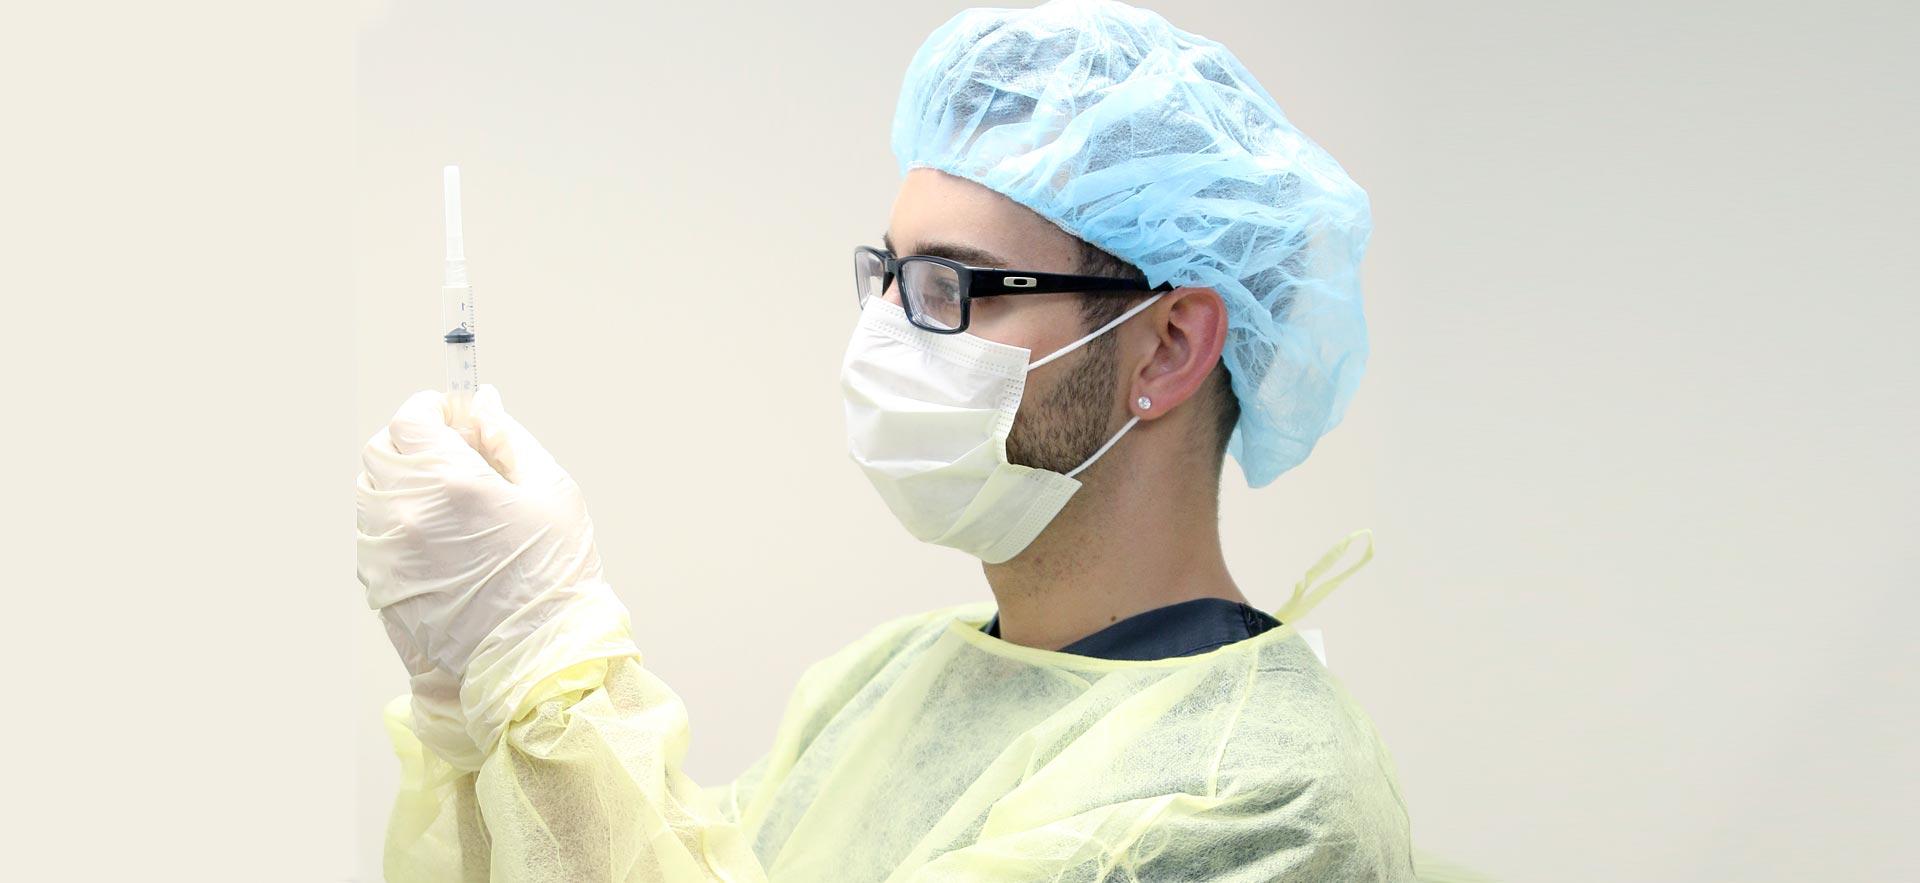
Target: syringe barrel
(456, 310)
(463, 368)
(461, 336)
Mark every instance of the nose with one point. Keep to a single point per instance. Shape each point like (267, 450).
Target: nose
(891, 294)
(870, 278)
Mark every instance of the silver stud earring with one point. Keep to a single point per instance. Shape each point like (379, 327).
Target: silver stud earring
(1144, 403)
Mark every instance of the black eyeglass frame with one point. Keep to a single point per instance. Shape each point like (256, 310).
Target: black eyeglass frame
(992, 282)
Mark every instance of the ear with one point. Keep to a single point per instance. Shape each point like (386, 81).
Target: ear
(1189, 328)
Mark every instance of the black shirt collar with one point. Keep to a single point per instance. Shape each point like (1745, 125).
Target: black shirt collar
(1182, 629)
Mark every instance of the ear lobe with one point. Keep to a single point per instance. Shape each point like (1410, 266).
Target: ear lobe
(1191, 339)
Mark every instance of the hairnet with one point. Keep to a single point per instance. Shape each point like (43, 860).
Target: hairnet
(1157, 146)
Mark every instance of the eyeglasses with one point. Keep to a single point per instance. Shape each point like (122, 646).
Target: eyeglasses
(938, 294)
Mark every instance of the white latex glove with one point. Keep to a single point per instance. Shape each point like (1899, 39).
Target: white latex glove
(477, 551)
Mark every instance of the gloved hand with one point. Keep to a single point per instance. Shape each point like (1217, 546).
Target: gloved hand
(477, 551)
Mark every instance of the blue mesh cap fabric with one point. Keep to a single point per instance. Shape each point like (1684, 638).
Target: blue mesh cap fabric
(1158, 147)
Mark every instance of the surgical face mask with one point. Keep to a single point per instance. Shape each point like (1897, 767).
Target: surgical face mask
(927, 420)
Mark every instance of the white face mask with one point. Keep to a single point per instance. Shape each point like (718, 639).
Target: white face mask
(927, 420)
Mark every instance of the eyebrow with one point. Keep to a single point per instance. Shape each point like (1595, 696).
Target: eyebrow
(953, 251)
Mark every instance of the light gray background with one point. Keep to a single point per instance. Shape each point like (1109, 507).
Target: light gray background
(1635, 438)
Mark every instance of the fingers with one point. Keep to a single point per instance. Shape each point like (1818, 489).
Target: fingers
(381, 514)
(520, 456)
(487, 398)
(486, 401)
(418, 449)
(421, 423)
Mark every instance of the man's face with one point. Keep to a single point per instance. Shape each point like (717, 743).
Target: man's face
(1069, 404)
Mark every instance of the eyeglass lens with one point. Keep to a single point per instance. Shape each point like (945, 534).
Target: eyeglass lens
(869, 275)
(932, 293)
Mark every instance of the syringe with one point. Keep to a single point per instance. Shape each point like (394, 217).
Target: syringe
(456, 312)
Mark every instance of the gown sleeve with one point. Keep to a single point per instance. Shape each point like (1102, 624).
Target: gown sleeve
(585, 785)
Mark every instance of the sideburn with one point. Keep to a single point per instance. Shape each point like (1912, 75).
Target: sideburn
(1063, 428)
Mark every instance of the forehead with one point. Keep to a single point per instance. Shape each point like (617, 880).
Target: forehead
(938, 213)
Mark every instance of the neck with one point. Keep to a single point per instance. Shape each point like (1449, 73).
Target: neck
(1135, 537)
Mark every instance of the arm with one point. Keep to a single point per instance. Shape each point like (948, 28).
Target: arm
(534, 746)
(587, 786)
(434, 833)
(603, 771)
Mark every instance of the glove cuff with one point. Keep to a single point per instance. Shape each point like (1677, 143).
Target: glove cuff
(434, 716)
(510, 672)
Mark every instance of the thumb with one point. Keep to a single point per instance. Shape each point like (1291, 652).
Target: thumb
(508, 445)
(420, 429)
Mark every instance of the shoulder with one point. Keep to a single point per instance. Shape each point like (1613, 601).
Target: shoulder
(1300, 733)
(1293, 697)
(1290, 783)
(827, 685)
(890, 638)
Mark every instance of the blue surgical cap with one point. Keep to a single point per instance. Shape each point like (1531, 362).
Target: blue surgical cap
(1158, 147)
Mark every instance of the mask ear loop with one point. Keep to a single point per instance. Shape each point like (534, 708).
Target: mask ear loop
(1130, 313)
(1103, 448)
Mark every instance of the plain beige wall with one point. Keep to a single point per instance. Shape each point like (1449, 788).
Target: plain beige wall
(1634, 439)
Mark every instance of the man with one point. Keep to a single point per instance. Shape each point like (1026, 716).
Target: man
(1111, 261)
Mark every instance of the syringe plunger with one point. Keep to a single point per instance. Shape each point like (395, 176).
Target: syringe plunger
(456, 299)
